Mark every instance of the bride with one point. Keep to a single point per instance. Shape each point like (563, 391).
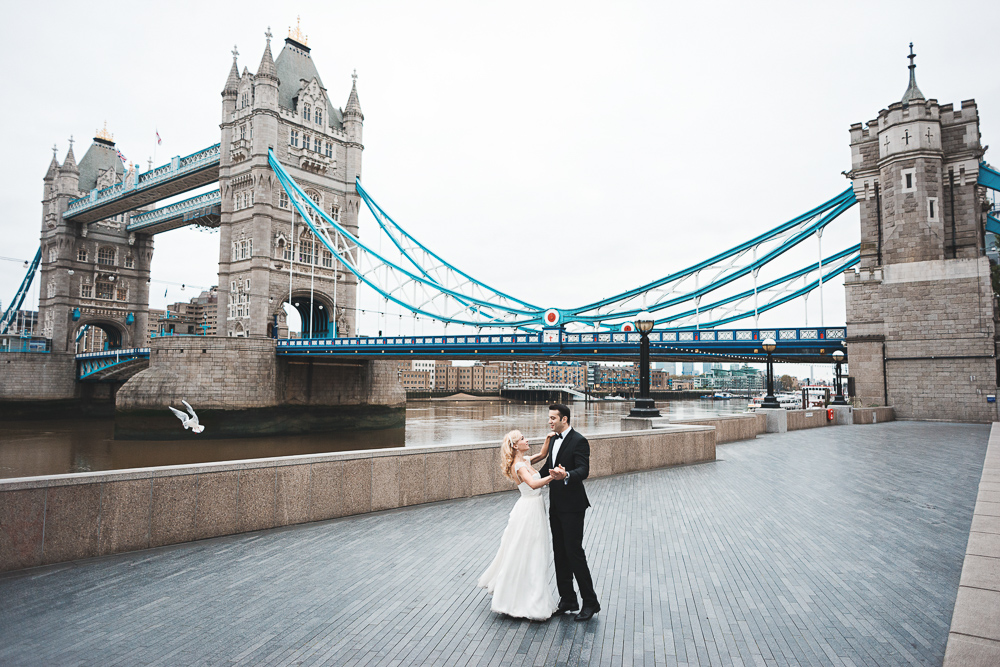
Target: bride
(519, 576)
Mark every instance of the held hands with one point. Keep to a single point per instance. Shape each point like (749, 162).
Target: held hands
(558, 473)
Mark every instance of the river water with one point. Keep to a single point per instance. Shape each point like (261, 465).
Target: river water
(30, 448)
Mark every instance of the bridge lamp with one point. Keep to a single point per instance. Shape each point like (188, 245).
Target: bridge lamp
(644, 405)
(838, 357)
(770, 401)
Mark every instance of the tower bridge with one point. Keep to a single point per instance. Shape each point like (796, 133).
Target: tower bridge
(288, 168)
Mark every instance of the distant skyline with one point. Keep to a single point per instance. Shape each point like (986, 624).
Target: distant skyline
(561, 152)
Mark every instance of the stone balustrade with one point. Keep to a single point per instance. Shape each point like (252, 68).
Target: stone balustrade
(60, 518)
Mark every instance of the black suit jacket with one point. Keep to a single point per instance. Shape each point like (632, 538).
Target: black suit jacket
(574, 456)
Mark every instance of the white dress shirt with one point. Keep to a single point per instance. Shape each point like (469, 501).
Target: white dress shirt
(555, 449)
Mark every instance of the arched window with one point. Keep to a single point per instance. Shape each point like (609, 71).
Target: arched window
(129, 262)
(306, 142)
(105, 290)
(335, 212)
(293, 138)
(81, 254)
(306, 112)
(106, 256)
(307, 248)
(328, 149)
(282, 199)
(319, 116)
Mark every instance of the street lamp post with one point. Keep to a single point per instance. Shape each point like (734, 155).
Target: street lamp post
(838, 357)
(644, 405)
(770, 401)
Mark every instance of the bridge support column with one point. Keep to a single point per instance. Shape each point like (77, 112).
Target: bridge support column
(240, 388)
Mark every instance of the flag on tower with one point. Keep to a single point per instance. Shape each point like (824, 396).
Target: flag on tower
(158, 140)
(121, 157)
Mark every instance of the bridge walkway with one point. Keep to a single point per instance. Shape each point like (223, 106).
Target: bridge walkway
(819, 547)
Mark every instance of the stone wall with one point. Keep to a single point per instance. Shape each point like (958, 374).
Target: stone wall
(67, 517)
(800, 419)
(35, 376)
(874, 415)
(731, 428)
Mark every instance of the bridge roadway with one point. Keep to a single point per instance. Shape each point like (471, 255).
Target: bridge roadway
(805, 345)
(837, 546)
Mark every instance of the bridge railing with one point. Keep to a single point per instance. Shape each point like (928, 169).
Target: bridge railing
(567, 339)
(175, 168)
(174, 210)
(89, 363)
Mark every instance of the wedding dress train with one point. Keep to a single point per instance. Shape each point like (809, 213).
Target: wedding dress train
(519, 576)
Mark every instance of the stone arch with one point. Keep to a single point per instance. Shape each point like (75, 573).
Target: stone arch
(321, 324)
(114, 335)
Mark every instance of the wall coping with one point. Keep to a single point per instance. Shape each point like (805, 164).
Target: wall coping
(96, 477)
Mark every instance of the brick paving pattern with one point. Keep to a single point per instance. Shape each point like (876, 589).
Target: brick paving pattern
(839, 546)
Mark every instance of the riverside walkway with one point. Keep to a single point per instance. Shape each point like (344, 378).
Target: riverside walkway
(834, 546)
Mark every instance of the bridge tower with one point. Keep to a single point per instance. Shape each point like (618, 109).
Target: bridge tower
(920, 314)
(267, 255)
(91, 274)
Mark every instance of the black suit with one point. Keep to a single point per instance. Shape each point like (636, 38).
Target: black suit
(568, 505)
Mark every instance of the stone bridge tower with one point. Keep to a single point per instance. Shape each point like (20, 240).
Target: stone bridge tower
(92, 274)
(267, 255)
(920, 314)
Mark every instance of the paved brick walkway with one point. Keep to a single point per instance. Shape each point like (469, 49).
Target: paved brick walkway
(841, 546)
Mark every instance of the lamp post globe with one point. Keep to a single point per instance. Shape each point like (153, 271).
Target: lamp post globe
(838, 385)
(769, 401)
(644, 405)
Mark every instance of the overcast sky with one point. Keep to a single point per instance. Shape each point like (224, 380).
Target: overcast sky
(560, 152)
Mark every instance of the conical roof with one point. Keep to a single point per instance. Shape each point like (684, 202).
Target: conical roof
(912, 91)
(69, 164)
(233, 81)
(267, 69)
(53, 166)
(100, 157)
(353, 104)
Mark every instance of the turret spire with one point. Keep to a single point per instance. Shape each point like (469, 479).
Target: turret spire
(912, 92)
(232, 86)
(53, 166)
(69, 164)
(267, 69)
(353, 105)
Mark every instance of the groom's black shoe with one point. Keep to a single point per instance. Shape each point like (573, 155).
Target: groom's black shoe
(565, 606)
(587, 613)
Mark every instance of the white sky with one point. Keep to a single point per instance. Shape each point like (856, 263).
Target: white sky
(560, 152)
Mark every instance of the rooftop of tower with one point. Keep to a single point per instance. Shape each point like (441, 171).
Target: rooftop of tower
(293, 65)
(912, 91)
(100, 156)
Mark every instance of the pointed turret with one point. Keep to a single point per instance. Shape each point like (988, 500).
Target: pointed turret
(353, 107)
(233, 81)
(69, 164)
(267, 69)
(912, 92)
(53, 166)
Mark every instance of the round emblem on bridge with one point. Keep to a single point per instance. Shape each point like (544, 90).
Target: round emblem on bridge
(628, 327)
(551, 317)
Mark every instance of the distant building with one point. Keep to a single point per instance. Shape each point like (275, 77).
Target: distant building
(197, 317)
(567, 372)
(687, 368)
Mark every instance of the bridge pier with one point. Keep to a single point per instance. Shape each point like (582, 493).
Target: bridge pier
(239, 387)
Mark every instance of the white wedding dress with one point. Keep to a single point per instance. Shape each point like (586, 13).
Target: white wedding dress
(519, 576)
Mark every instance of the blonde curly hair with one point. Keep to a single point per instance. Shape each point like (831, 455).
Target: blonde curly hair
(508, 453)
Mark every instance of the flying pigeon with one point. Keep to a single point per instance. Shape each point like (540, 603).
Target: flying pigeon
(190, 422)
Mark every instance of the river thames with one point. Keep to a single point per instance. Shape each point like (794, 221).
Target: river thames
(53, 447)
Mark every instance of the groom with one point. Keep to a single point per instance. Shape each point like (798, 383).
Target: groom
(569, 464)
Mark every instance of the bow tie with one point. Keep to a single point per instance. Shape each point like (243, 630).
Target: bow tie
(559, 436)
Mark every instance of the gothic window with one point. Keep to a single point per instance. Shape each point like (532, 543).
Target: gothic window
(282, 199)
(121, 293)
(81, 254)
(335, 212)
(243, 131)
(327, 259)
(319, 116)
(286, 251)
(294, 138)
(319, 145)
(328, 149)
(307, 248)
(106, 256)
(105, 290)
(129, 262)
(305, 142)
(306, 112)
(87, 291)
(53, 254)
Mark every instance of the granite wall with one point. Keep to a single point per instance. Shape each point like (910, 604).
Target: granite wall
(68, 517)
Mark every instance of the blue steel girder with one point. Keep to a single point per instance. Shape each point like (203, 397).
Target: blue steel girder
(90, 363)
(814, 344)
(15, 305)
(989, 177)
(204, 209)
(181, 174)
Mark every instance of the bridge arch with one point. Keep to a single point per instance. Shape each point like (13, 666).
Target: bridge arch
(315, 314)
(115, 335)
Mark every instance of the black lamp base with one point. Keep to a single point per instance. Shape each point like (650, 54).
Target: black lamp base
(839, 400)
(770, 403)
(644, 407)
